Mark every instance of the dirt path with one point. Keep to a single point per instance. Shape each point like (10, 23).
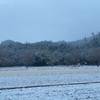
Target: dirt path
(31, 71)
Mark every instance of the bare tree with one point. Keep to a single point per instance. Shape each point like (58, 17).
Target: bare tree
(28, 58)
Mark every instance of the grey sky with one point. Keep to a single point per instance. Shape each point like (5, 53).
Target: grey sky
(37, 20)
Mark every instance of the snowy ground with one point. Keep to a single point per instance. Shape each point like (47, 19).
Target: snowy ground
(77, 92)
(48, 76)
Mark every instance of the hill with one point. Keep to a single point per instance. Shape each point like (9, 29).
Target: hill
(47, 53)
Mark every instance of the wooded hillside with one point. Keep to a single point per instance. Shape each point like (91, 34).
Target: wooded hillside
(45, 53)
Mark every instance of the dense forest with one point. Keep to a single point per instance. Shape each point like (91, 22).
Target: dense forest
(48, 53)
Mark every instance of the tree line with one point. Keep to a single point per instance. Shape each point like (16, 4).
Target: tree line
(48, 53)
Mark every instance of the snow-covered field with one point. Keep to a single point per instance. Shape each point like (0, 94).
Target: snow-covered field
(77, 92)
(21, 77)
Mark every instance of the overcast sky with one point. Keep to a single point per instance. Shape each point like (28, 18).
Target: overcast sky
(37, 20)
